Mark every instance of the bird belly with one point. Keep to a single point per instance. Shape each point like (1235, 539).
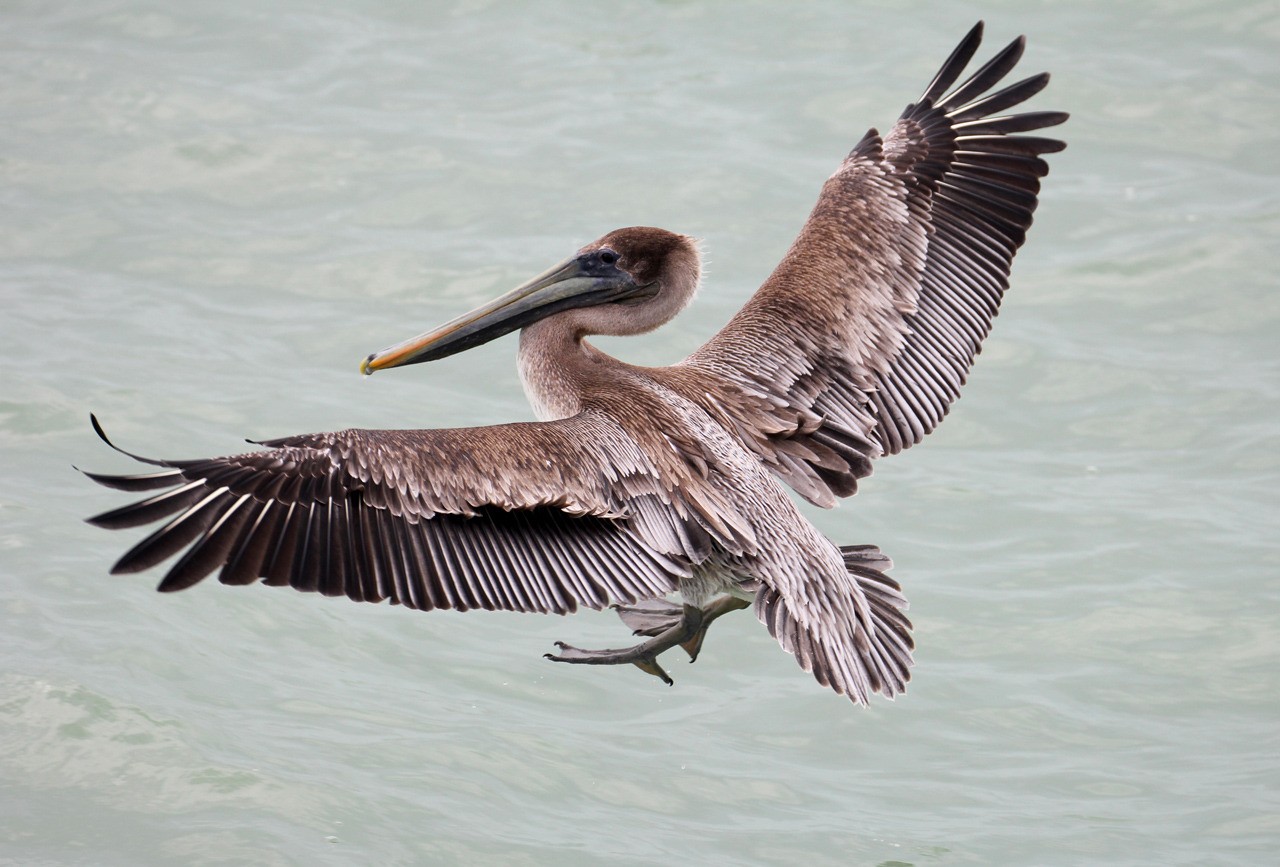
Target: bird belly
(714, 577)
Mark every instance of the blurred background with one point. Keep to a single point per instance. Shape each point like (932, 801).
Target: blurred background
(209, 213)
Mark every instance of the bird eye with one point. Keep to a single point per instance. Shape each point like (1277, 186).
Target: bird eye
(608, 257)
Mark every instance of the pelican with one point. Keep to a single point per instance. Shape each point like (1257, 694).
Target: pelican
(640, 483)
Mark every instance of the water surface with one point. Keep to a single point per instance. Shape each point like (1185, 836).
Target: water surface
(209, 215)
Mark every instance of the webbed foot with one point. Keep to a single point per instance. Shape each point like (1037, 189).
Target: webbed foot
(655, 616)
(644, 656)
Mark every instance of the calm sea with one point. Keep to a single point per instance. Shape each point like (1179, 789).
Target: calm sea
(209, 213)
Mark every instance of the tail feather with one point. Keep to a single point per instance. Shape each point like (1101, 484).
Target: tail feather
(892, 641)
(875, 656)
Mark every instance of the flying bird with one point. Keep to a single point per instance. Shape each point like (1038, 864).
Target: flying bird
(640, 483)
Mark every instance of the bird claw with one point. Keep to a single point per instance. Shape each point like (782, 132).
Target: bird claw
(637, 656)
(654, 617)
(650, 666)
(668, 624)
(694, 645)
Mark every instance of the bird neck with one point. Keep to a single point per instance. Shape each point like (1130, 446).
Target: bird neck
(557, 366)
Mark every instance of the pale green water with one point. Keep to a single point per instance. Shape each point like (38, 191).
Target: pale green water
(208, 217)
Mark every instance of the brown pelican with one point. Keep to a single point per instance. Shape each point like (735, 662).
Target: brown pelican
(642, 482)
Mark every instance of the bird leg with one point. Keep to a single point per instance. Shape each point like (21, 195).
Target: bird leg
(645, 654)
(654, 616)
(668, 624)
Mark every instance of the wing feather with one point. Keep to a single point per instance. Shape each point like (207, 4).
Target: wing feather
(518, 517)
(873, 319)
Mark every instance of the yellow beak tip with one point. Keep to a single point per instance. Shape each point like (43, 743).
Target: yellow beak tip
(365, 369)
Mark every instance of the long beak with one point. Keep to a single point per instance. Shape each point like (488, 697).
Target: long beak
(578, 282)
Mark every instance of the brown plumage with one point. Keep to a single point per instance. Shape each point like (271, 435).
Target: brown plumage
(640, 482)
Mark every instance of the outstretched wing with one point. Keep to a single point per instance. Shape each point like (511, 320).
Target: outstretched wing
(524, 517)
(868, 327)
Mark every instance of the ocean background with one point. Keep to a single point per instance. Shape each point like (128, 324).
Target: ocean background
(209, 213)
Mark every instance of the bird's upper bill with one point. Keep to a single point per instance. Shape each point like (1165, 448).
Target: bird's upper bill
(591, 277)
